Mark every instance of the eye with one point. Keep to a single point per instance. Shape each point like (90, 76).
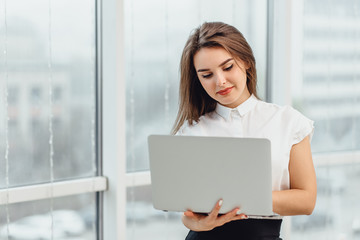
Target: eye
(207, 75)
(228, 68)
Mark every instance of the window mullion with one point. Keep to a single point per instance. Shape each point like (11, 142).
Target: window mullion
(53, 189)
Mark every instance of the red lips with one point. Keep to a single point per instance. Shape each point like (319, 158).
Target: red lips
(225, 91)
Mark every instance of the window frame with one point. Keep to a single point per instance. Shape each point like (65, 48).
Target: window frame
(119, 178)
(113, 119)
(114, 115)
(61, 188)
(78, 185)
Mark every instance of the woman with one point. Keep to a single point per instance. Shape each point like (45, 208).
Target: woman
(218, 98)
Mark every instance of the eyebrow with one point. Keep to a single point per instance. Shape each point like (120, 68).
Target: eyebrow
(221, 64)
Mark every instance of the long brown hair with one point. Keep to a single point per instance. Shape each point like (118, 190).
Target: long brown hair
(194, 101)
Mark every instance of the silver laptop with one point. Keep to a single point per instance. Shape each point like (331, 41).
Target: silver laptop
(189, 172)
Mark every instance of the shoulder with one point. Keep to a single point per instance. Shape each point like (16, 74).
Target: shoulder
(184, 129)
(294, 115)
(198, 127)
(286, 112)
(297, 123)
(288, 121)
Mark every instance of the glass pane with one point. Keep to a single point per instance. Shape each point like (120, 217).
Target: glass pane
(145, 222)
(72, 218)
(153, 50)
(328, 92)
(330, 88)
(41, 55)
(338, 204)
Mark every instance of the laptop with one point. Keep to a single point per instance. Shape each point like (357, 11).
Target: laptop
(194, 172)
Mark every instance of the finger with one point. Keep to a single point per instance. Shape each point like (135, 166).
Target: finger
(229, 216)
(193, 216)
(189, 214)
(215, 212)
(235, 214)
(239, 215)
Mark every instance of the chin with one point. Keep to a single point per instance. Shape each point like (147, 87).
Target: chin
(228, 102)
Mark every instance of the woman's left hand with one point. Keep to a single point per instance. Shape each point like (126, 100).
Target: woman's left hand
(202, 222)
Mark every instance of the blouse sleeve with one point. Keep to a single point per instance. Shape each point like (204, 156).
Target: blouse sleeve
(303, 127)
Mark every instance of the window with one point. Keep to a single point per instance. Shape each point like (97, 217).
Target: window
(49, 111)
(155, 34)
(316, 56)
(153, 54)
(13, 95)
(35, 95)
(67, 77)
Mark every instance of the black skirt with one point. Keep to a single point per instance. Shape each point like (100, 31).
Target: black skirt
(249, 229)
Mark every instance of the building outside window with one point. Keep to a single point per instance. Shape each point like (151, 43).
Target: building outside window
(82, 90)
(48, 130)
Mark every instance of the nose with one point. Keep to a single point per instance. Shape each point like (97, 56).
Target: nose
(220, 79)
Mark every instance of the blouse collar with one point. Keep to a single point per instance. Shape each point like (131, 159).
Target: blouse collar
(242, 109)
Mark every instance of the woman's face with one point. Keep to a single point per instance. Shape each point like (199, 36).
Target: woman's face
(222, 76)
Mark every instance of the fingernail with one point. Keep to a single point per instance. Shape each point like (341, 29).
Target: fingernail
(238, 212)
(220, 202)
(244, 217)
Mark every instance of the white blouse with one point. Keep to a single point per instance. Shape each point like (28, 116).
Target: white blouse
(283, 126)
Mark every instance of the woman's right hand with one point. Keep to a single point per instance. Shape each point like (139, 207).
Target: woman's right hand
(202, 222)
